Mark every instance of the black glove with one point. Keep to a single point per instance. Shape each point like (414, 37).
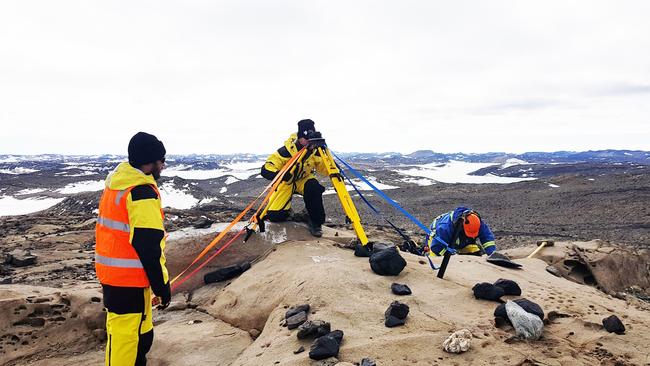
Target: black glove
(287, 177)
(165, 297)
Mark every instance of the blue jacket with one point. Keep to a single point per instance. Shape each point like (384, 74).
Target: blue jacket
(442, 231)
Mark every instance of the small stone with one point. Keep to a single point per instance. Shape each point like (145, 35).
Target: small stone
(313, 328)
(614, 325)
(459, 342)
(203, 223)
(368, 362)
(554, 271)
(296, 320)
(254, 333)
(400, 289)
(100, 334)
(331, 361)
(396, 314)
(299, 350)
(297, 309)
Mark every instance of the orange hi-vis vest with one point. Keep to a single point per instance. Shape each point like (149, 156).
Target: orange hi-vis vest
(116, 261)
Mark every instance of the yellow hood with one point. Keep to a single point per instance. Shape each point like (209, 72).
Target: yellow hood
(125, 176)
(291, 142)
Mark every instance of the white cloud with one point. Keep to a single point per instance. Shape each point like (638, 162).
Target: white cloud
(206, 77)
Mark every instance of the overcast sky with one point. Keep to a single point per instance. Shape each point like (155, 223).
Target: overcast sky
(81, 77)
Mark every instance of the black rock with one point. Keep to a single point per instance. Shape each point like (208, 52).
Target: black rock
(297, 320)
(299, 350)
(326, 346)
(378, 246)
(297, 309)
(399, 289)
(313, 329)
(368, 362)
(226, 273)
(203, 223)
(21, 258)
(502, 260)
(392, 321)
(362, 250)
(509, 287)
(387, 262)
(487, 291)
(614, 325)
(529, 306)
(338, 335)
(396, 314)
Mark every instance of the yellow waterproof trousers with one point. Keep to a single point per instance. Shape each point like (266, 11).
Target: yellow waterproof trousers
(129, 325)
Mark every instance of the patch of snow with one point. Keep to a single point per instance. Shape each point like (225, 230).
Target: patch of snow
(322, 258)
(85, 173)
(223, 190)
(9, 159)
(10, 206)
(362, 186)
(231, 180)
(208, 200)
(419, 181)
(512, 162)
(553, 185)
(85, 186)
(96, 211)
(173, 197)
(458, 172)
(215, 228)
(18, 170)
(25, 192)
(244, 165)
(591, 179)
(207, 174)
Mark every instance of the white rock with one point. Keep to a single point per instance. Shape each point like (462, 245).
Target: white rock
(459, 342)
(528, 326)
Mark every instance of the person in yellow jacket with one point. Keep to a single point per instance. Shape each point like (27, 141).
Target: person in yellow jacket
(129, 251)
(302, 181)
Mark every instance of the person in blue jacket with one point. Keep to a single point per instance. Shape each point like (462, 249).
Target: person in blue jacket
(466, 226)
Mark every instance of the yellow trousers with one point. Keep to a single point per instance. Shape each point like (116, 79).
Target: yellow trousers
(129, 325)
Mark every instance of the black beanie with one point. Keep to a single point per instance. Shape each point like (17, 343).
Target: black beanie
(144, 149)
(304, 126)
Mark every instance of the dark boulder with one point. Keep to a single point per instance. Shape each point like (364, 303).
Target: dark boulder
(396, 314)
(614, 325)
(487, 291)
(509, 287)
(297, 309)
(203, 223)
(326, 346)
(226, 273)
(502, 260)
(313, 329)
(387, 262)
(529, 306)
(297, 320)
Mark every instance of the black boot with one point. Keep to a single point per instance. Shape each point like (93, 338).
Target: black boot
(315, 229)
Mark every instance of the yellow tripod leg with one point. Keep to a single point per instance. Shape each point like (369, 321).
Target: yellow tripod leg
(346, 201)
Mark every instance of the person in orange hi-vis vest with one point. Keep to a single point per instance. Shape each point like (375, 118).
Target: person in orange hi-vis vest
(129, 251)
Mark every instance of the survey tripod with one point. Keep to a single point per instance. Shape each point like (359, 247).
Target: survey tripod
(318, 146)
